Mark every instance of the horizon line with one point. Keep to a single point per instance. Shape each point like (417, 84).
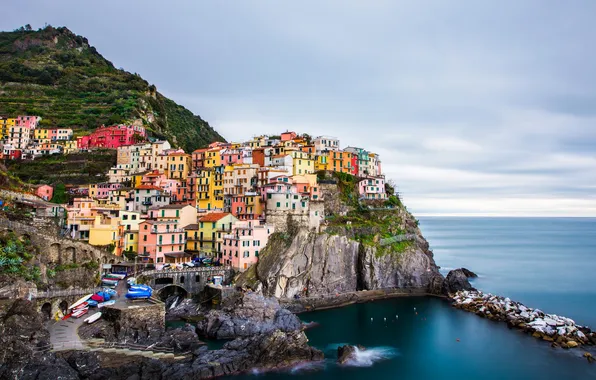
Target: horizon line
(500, 216)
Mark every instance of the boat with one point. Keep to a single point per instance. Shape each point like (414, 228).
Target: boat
(80, 306)
(66, 316)
(92, 303)
(139, 293)
(109, 282)
(107, 303)
(80, 301)
(109, 291)
(93, 318)
(115, 275)
(79, 313)
(140, 287)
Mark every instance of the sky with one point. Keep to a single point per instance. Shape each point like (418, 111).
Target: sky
(475, 107)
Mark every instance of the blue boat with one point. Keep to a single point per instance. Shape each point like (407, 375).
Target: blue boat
(92, 303)
(139, 294)
(140, 287)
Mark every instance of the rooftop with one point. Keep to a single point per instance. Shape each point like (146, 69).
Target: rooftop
(214, 216)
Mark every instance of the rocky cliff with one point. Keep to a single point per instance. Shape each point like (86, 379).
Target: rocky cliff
(368, 249)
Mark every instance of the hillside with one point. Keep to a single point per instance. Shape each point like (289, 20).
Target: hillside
(59, 76)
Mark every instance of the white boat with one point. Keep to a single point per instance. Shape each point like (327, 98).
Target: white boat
(93, 318)
(117, 275)
(80, 301)
(107, 303)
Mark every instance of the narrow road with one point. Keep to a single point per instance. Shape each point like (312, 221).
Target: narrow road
(64, 334)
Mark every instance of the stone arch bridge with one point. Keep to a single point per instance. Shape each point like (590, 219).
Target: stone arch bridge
(190, 280)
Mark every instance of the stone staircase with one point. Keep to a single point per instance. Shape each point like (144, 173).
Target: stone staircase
(126, 349)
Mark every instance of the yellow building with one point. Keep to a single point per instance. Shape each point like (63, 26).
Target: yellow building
(302, 163)
(209, 226)
(192, 237)
(178, 165)
(137, 179)
(104, 231)
(213, 158)
(322, 161)
(5, 125)
(41, 134)
(128, 226)
(70, 146)
(210, 189)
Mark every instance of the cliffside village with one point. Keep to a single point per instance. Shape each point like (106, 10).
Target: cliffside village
(164, 205)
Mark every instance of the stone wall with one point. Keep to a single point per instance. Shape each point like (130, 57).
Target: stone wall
(143, 322)
(58, 250)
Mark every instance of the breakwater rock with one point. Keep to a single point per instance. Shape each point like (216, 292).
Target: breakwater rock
(561, 331)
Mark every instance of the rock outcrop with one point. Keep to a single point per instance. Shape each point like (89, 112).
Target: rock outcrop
(340, 260)
(457, 280)
(347, 353)
(22, 334)
(244, 315)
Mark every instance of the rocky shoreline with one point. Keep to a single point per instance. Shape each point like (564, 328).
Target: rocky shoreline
(560, 331)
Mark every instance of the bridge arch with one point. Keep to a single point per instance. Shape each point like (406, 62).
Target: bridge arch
(63, 306)
(171, 290)
(46, 310)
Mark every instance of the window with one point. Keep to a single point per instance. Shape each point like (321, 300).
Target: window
(279, 204)
(124, 217)
(134, 217)
(132, 236)
(145, 227)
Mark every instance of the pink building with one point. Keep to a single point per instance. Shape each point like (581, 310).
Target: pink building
(45, 192)
(102, 190)
(372, 188)
(112, 137)
(242, 245)
(161, 241)
(30, 122)
(287, 136)
(231, 156)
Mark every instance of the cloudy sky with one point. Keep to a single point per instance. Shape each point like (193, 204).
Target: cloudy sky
(476, 107)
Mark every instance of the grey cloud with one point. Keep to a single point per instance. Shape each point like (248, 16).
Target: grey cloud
(474, 106)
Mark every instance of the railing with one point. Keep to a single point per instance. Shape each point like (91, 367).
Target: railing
(68, 292)
(187, 270)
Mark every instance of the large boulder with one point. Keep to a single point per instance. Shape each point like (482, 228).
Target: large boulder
(347, 353)
(456, 281)
(244, 315)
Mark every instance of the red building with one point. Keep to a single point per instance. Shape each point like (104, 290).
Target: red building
(112, 137)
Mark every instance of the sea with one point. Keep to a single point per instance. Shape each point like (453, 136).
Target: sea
(545, 263)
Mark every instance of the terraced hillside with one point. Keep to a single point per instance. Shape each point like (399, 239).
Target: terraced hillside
(59, 76)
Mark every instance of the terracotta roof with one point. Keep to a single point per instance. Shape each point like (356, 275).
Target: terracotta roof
(148, 187)
(214, 216)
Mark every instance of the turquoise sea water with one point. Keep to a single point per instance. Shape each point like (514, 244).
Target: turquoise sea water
(544, 263)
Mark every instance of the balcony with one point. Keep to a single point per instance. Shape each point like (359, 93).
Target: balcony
(173, 230)
(146, 203)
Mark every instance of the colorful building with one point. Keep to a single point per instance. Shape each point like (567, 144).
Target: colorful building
(112, 137)
(209, 227)
(372, 188)
(45, 192)
(241, 246)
